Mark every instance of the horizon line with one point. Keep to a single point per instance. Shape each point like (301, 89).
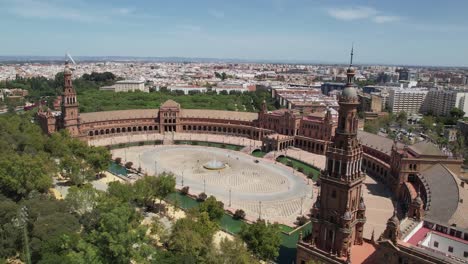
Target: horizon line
(24, 58)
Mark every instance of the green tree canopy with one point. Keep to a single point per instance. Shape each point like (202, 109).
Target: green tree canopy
(214, 208)
(262, 239)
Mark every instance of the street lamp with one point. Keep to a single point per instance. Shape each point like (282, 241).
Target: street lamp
(302, 201)
(260, 211)
(155, 168)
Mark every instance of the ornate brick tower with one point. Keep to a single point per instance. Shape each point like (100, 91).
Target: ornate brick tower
(338, 216)
(69, 104)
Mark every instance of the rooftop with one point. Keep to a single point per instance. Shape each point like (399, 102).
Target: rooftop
(443, 193)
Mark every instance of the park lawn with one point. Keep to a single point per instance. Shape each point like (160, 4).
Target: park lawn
(209, 144)
(94, 100)
(307, 169)
(258, 153)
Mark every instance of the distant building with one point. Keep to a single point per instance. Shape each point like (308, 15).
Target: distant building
(370, 103)
(304, 100)
(126, 86)
(441, 102)
(406, 100)
(463, 127)
(329, 86)
(234, 87)
(187, 89)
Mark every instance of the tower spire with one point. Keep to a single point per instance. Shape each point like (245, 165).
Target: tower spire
(352, 53)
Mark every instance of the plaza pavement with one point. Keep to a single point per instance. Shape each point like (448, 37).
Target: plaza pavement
(267, 189)
(377, 197)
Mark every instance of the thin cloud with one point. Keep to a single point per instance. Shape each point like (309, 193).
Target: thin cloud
(353, 13)
(123, 11)
(361, 13)
(60, 10)
(43, 10)
(386, 19)
(216, 13)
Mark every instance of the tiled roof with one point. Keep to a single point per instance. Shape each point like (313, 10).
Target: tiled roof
(118, 115)
(426, 148)
(444, 194)
(375, 141)
(218, 114)
(170, 104)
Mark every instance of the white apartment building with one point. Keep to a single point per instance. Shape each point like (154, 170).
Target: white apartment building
(126, 86)
(440, 102)
(186, 88)
(409, 100)
(234, 87)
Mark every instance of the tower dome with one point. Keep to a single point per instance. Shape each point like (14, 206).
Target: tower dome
(349, 92)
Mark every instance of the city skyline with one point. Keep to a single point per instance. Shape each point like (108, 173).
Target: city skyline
(399, 33)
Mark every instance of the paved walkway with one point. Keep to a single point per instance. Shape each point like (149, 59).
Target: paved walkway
(266, 188)
(241, 141)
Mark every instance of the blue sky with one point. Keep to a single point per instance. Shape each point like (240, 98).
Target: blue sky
(395, 32)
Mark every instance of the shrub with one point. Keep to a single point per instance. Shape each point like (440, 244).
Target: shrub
(184, 190)
(301, 220)
(300, 169)
(118, 160)
(239, 214)
(129, 165)
(202, 197)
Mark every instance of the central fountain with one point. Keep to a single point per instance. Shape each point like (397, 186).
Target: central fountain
(214, 165)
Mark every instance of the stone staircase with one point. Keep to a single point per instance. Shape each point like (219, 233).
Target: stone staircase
(407, 225)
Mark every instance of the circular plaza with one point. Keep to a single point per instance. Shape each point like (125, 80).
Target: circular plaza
(261, 187)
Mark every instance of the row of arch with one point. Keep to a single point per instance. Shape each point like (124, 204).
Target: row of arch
(310, 146)
(122, 130)
(375, 169)
(217, 129)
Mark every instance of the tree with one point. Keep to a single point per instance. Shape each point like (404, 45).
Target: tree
(202, 197)
(457, 113)
(193, 237)
(117, 233)
(146, 190)
(76, 170)
(234, 251)
(262, 239)
(239, 214)
(82, 199)
(20, 175)
(165, 186)
(402, 119)
(10, 238)
(185, 190)
(128, 165)
(122, 191)
(214, 208)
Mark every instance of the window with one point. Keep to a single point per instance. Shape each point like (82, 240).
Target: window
(436, 244)
(465, 254)
(333, 194)
(450, 249)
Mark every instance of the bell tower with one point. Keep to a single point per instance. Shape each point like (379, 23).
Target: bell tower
(69, 105)
(338, 216)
